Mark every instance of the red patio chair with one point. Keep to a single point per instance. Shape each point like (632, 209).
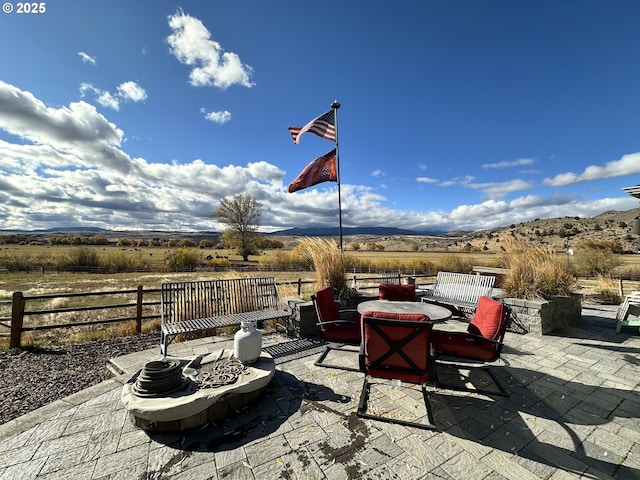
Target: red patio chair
(476, 348)
(392, 291)
(339, 328)
(395, 346)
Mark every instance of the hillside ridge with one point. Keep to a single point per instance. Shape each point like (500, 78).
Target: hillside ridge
(559, 232)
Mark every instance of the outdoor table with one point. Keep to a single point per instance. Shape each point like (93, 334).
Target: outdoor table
(435, 313)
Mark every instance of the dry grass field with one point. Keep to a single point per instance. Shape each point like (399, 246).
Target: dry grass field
(389, 253)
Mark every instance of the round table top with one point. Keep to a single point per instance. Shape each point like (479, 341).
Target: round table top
(435, 313)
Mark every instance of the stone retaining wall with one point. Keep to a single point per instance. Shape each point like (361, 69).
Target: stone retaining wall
(541, 317)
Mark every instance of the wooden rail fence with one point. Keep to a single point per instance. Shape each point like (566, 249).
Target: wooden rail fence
(139, 304)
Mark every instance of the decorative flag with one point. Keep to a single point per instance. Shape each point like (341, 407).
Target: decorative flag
(324, 126)
(322, 169)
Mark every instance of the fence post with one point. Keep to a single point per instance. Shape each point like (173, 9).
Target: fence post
(299, 286)
(139, 310)
(17, 317)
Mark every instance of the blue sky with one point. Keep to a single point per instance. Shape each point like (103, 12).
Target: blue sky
(455, 114)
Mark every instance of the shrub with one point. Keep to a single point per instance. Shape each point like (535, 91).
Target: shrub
(266, 243)
(15, 262)
(81, 257)
(284, 261)
(535, 272)
(117, 262)
(417, 266)
(186, 243)
(596, 257)
(454, 263)
(183, 259)
(608, 291)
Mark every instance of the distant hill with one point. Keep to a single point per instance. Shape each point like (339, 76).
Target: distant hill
(561, 233)
(329, 232)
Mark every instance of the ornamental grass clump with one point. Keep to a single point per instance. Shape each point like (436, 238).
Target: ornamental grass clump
(536, 272)
(328, 261)
(608, 290)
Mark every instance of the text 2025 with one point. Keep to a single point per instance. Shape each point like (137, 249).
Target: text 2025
(33, 7)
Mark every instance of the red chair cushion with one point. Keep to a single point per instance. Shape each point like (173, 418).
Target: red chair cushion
(347, 332)
(390, 291)
(327, 305)
(417, 348)
(488, 319)
(488, 322)
(459, 344)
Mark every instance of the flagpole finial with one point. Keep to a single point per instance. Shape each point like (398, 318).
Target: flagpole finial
(335, 104)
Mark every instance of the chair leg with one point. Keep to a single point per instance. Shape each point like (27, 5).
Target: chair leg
(501, 390)
(363, 406)
(342, 348)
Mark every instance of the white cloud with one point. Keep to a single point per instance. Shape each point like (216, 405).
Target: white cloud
(69, 169)
(627, 165)
(501, 189)
(108, 100)
(494, 190)
(78, 132)
(426, 180)
(125, 92)
(466, 180)
(191, 44)
(131, 91)
(509, 164)
(86, 58)
(220, 117)
(378, 173)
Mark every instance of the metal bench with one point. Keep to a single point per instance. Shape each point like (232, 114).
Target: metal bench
(195, 306)
(630, 306)
(391, 277)
(459, 290)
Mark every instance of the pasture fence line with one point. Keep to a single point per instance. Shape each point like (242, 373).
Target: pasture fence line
(133, 310)
(137, 305)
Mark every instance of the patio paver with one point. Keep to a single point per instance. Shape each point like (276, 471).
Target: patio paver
(574, 412)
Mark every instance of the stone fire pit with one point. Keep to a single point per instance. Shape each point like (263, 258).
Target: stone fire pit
(175, 394)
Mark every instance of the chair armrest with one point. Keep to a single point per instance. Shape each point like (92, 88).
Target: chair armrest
(330, 322)
(480, 338)
(350, 315)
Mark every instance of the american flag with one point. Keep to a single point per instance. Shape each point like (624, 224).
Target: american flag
(323, 126)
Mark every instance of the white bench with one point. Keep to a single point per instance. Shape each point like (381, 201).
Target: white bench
(189, 307)
(391, 277)
(630, 306)
(460, 290)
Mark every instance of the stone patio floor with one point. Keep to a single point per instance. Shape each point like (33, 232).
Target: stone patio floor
(573, 412)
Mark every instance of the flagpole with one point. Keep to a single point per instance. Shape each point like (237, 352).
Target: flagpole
(336, 105)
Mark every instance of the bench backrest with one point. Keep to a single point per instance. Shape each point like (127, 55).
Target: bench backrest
(391, 277)
(213, 298)
(632, 299)
(462, 286)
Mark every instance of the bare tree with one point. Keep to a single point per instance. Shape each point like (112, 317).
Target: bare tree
(241, 214)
